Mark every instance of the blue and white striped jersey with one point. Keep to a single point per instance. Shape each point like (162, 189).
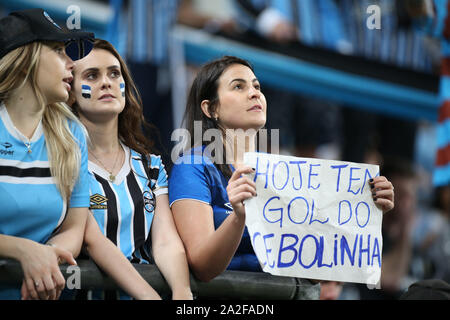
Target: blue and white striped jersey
(391, 44)
(124, 209)
(342, 26)
(31, 205)
(144, 30)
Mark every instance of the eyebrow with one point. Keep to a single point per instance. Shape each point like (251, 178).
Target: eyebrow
(242, 80)
(97, 69)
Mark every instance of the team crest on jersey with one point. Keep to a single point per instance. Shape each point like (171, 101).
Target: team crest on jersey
(98, 202)
(149, 201)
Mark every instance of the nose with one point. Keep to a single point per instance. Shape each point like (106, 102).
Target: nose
(70, 64)
(106, 82)
(254, 93)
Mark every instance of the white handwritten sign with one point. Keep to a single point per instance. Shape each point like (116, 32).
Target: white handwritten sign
(315, 218)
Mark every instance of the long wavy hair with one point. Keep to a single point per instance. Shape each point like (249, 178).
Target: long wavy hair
(134, 130)
(205, 87)
(16, 69)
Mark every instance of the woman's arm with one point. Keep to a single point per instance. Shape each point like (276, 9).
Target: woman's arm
(168, 250)
(111, 260)
(210, 251)
(70, 236)
(42, 276)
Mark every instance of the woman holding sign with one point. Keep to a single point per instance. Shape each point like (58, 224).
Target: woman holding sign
(206, 194)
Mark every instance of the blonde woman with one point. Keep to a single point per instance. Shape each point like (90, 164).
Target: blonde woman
(44, 192)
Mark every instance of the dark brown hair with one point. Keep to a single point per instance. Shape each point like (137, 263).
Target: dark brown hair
(205, 87)
(134, 130)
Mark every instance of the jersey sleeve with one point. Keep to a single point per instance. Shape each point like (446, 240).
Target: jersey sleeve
(161, 185)
(188, 180)
(80, 194)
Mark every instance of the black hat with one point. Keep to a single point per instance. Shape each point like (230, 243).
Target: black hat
(430, 289)
(23, 27)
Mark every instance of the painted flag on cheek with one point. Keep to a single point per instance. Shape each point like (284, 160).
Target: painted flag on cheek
(86, 91)
(122, 89)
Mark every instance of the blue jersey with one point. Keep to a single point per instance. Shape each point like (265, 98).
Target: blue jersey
(124, 209)
(31, 205)
(194, 176)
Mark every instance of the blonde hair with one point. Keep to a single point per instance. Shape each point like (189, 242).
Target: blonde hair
(20, 66)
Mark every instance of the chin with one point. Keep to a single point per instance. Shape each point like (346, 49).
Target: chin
(253, 126)
(260, 124)
(58, 99)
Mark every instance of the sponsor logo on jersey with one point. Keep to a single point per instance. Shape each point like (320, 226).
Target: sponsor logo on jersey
(228, 206)
(98, 202)
(5, 150)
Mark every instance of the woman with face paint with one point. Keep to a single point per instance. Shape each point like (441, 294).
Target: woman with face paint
(44, 182)
(128, 183)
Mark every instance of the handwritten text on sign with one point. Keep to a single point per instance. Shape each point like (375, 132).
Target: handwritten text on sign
(315, 218)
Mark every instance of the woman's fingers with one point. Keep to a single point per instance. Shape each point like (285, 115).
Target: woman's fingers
(240, 188)
(242, 180)
(243, 188)
(239, 172)
(30, 284)
(42, 277)
(383, 193)
(60, 283)
(384, 204)
(49, 288)
(388, 194)
(24, 291)
(241, 197)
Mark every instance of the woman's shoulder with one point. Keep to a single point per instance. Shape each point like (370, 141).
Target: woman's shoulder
(195, 156)
(76, 127)
(78, 130)
(154, 159)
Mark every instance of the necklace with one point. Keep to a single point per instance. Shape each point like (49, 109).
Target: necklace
(28, 145)
(25, 140)
(111, 176)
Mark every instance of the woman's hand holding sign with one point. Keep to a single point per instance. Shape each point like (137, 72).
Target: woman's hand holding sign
(239, 189)
(382, 193)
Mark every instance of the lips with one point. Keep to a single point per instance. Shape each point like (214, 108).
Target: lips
(68, 82)
(256, 107)
(106, 96)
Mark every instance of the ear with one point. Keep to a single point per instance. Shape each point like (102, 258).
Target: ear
(205, 108)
